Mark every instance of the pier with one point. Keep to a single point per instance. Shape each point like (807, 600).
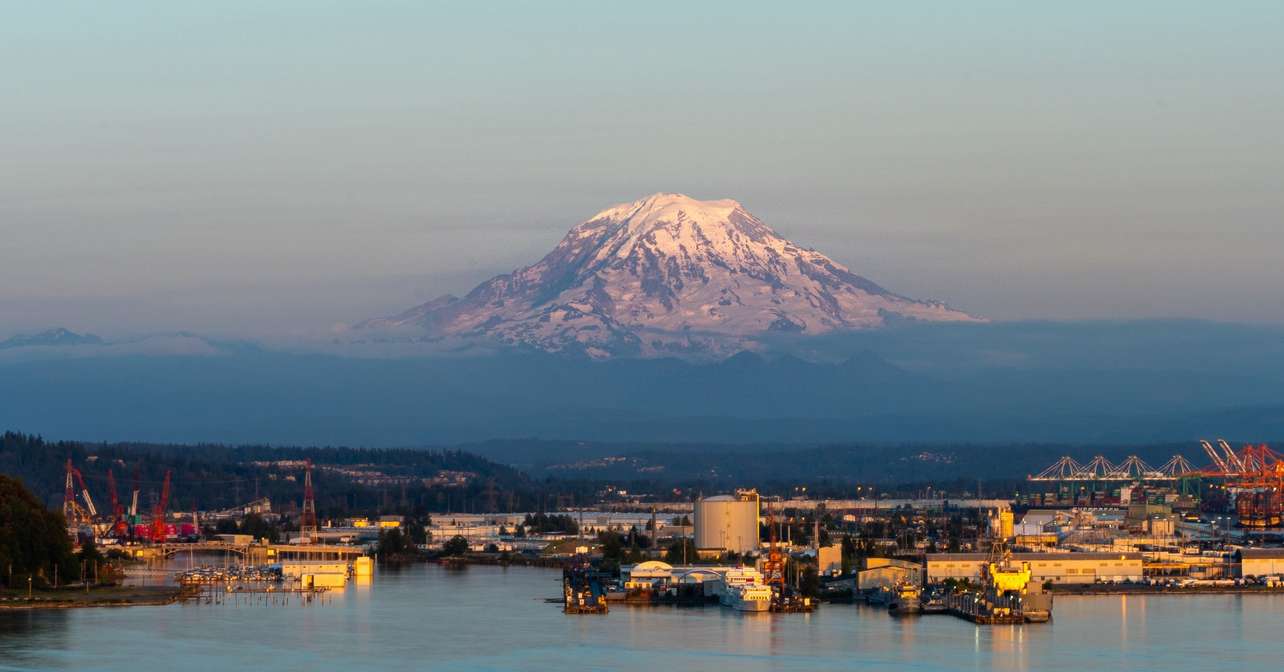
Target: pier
(253, 553)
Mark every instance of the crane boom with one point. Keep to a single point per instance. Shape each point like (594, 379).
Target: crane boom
(1214, 456)
(133, 501)
(1231, 458)
(84, 493)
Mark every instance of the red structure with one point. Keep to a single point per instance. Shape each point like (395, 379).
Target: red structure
(160, 531)
(1255, 476)
(308, 520)
(119, 528)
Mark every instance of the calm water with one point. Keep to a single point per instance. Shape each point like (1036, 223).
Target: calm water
(493, 618)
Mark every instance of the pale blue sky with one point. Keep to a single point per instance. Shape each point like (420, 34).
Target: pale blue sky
(272, 167)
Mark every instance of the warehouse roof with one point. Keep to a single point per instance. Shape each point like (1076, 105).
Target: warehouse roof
(982, 557)
(1262, 553)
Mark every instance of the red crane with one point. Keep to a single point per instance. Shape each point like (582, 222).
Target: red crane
(159, 531)
(118, 525)
(1254, 477)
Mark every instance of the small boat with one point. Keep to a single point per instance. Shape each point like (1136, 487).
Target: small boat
(879, 597)
(934, 603)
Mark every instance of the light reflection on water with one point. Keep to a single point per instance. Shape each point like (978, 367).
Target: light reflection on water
(494, 618)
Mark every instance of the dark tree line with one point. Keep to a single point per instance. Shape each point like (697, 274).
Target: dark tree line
(33, 540)
(209, 477)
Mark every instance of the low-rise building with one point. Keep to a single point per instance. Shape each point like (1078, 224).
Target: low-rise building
(887, 572)
(1261, 561)
(829, 559)
(1054, 567)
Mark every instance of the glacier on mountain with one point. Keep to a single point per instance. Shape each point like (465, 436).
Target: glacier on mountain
(667, 274)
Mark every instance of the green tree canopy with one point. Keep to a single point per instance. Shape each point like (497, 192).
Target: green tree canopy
(457, 545)
(33, 539)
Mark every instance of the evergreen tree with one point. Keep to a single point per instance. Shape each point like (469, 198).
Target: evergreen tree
(33, 539)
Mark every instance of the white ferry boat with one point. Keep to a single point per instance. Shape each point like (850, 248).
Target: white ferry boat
(748, 597)
(743, 590)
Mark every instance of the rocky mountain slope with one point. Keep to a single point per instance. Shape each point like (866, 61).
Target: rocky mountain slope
(667, 274)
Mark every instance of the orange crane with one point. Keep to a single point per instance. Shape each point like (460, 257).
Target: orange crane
(1256, 477)
(72, 511)
(773, 568)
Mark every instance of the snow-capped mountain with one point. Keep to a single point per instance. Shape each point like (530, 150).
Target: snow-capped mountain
(665, 274)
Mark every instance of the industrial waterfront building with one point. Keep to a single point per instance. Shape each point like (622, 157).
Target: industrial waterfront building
(886, 573)
(1261, 562)
(1044, 567)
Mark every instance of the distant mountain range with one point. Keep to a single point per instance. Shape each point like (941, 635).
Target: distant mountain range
(61, 343)
(1035, 382)
(56, 337)
(665, 275)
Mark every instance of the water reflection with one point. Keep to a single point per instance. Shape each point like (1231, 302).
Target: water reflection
(29, 638)
(495, 618)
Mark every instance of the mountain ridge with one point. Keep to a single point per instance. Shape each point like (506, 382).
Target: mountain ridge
(666, 275)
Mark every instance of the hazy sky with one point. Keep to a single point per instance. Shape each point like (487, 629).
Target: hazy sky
(272, 167)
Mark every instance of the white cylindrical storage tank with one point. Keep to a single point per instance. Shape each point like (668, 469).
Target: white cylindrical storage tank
(727, 523)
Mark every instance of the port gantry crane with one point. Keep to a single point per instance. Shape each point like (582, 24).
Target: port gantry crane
(1132, 468)
(1254, 475)
(1100, 472)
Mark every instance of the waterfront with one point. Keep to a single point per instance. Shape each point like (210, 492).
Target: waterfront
(495, 618)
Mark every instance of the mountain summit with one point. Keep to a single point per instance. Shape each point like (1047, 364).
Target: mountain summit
(667, 274)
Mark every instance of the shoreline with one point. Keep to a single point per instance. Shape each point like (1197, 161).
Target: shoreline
(1174, 592)
(135, 596)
